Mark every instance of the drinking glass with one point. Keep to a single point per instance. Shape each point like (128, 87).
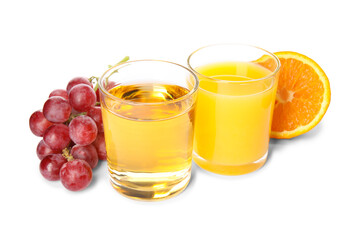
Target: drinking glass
(148, 109)
(235, 106)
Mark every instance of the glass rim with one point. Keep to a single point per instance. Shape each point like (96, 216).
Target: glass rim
(123, 64)
(272, 74)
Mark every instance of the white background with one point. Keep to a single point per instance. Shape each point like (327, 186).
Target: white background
(309, 188)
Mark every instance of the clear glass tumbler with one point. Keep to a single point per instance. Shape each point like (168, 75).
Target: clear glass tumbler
(235, 106)
(148, 109)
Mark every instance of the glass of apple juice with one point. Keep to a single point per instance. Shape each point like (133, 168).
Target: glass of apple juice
(235, 106)
(148, 109)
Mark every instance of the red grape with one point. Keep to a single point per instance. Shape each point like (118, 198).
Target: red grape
(44, 150)
(97, 95)
(76, 175)
(50, 166)
(78, 80)
(83, 130)
(99, 144)
(38, 123)
(82, 97)
(87, 153)
(57, 109)
(95, 114)
(59, 93)
(57, 136)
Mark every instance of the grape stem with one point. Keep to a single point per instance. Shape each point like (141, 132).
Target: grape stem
(125, 59)
(66, 154)
(91, 79)
(72, 116)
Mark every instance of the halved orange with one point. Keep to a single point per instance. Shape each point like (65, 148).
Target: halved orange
(302, 97)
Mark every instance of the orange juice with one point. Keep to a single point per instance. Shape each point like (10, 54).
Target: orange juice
(233, 116)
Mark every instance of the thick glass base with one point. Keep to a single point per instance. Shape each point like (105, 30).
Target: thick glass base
(230, 169)
(149, 186)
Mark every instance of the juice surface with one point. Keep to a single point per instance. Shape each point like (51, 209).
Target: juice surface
(233, 117)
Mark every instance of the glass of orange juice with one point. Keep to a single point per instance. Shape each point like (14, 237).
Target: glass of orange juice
(148, 109)
(235, 106)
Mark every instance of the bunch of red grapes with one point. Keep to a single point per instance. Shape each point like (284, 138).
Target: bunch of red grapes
(72, 132)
